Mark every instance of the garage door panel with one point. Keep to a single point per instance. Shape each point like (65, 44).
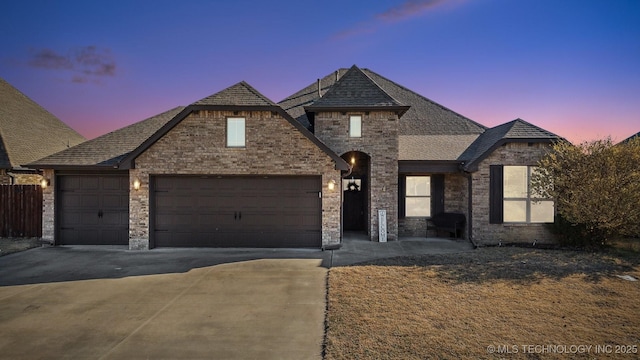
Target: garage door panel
(93, 209)
(88, 219)
(111, 218)
(89, 183)
(237, 211)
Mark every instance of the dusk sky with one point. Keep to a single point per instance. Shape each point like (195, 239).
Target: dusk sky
(569, 66)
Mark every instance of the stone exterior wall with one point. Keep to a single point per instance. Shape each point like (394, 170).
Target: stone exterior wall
(48, 206)
(197, 145)
(11, 178)
(380, 141)
(483, 232)
(456, 199)
(5, 179)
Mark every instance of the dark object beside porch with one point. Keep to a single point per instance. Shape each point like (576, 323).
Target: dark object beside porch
(449, 222)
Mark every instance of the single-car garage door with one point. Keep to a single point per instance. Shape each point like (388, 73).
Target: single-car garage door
(93, 209)
(236, 211)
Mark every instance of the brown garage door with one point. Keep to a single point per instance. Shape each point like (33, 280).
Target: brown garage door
(93, 210)
(236, 211)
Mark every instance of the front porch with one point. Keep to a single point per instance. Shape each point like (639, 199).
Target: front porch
(356, 247)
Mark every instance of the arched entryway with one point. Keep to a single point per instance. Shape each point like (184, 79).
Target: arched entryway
(356, 192)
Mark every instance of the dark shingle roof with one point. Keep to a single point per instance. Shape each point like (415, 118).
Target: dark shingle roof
(513, 131)
(355, 90)
(423, 129)
(433, 147)
(28, 132)
(120, 148)
(240, 94)
(426, 117)
(107, 150)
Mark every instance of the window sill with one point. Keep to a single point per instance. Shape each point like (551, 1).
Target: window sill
(524, 224)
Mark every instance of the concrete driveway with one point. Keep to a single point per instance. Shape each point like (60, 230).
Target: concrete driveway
(100, 302)
(110, 303)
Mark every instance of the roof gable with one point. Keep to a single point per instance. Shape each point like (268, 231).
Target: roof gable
(29, 132)
(517, 130)
(240, 94)
(120, 148)
(356, 90)
(251, 99)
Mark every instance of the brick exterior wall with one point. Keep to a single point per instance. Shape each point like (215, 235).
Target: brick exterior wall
(483, 232)
(380, 141)
(197, 145)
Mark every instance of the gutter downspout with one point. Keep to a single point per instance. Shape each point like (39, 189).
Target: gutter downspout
(12, 178)
(470, 209)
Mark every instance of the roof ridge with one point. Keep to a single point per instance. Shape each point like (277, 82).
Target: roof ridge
(250, 96)
(355, 89)
(380, 87)
(256, 92)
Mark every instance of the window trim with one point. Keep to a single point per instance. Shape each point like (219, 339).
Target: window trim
(429, 197)
(244, 128)
(351, 118)
(529, 200)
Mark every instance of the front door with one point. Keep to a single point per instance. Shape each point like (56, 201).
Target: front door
(354, 205)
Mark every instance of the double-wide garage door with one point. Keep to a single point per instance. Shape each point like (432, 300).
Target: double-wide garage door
(188, 211)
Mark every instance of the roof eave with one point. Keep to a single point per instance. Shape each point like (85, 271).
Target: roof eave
(473, 165)
(398, 109)
(429, 166)
(75, 167)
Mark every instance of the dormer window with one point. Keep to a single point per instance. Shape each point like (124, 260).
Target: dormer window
(355, 126)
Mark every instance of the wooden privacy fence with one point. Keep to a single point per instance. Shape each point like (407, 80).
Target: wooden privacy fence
(20, 211)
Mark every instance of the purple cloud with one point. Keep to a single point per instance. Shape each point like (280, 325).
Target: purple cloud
(407, 9)
(49, 59)
(83, 62)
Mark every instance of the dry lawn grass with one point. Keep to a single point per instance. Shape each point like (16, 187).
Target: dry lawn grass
(456, 306)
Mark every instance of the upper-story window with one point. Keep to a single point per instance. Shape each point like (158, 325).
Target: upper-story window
(355, 126)
(235, 132)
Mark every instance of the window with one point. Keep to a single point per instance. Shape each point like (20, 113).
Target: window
(355, 126)
(418, 196)
(235, 132)
(520, 204)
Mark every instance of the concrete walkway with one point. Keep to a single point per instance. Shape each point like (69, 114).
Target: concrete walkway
(104, 302)
(356, 248)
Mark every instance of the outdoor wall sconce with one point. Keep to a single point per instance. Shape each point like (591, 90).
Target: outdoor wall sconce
(136, 184)
(44, 183)
(332, 184)
(353, 160)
